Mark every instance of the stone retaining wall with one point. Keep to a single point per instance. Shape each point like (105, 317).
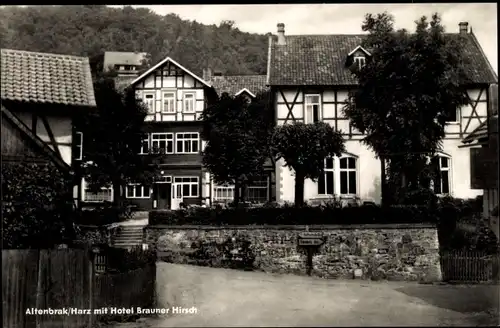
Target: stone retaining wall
(392, 252)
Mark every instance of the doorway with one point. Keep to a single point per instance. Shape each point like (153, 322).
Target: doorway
(163, 195)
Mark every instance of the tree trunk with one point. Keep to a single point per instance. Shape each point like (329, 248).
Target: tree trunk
(383, 185)
(117, 195)
(243, 192)
(299, 189)
(236, 199)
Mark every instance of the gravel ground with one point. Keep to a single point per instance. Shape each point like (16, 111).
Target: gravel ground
(227, 298)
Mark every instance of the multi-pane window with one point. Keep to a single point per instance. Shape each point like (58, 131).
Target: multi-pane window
(168, 102)
(137, 191)
(103, 195)
(441, 181)
(348, 176)
(186, 186)
(149, 100)
(78, 146)
(224, 193)
(144, 144)
(189, 102)
(187, 143)
(162, 143)
(326, 181)
(313, 108)
(360, 62)
(257, 191)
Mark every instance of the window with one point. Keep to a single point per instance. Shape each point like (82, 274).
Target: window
(348, 176)
(441, 182)
(224, 193)
(326, 180)
(137, 191)
(168, 102)
(189, 102)
(187, 143)
(186, 186)
(149, 100)
(313, 108)
(78, 146)
(360, 62)
(162, 143)
(452, 117)
(144, 144)
(257, 191)
(104, 195)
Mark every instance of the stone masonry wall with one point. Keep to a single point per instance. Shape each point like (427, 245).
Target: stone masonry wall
(391, 252)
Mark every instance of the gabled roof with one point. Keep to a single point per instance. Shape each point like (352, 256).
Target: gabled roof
(123, 58)
(320, 60)
(244, 90)
(163, 62)
(361, 49)
(235, 84)
(46, 78)
(39, 143)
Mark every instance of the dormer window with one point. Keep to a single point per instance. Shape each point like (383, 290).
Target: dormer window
(360, 61)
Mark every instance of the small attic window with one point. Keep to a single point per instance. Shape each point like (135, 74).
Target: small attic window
(360, 61)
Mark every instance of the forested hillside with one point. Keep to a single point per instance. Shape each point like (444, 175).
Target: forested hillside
(91, 30)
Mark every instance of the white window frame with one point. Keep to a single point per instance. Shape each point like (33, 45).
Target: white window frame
(256, 189)
(145, 137)
(360, 61)
(444, 169)
(457, 118)
(186, 101)
(180, 136)
(105, 192)
(335, 179)
(134, 196)
(79, 147)
(312, 104)
(347, 171)
(229, 190)
(178, 183)
(169, 137)
(171, 101)
(152, 107)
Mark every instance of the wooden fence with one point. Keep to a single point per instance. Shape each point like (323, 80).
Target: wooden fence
(125, 290)
(45, 279)
(469, 266)
(66, 279)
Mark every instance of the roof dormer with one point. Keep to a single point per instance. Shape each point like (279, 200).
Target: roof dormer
(357, 57)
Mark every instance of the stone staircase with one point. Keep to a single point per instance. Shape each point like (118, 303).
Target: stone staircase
(128, 236)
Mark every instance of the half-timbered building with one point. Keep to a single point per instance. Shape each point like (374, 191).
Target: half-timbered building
(260, 190)
(175, 98)
(483, 144)
(126, 65)
(41, 94)
(310, 80)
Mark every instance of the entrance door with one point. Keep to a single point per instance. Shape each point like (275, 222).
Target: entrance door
(163, 195)
(176, 196)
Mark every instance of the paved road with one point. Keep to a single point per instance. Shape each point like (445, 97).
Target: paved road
(226, 298)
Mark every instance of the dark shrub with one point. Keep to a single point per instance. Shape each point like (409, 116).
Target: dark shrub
(123, 260)
(104, 214)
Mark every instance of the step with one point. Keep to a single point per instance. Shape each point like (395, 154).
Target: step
(130, 233)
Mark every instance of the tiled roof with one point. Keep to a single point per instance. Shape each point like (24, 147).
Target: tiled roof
(232, 84)
(46, 78)
(481, 132)
(123, 58)
(320, 60)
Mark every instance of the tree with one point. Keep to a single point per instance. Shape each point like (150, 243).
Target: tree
(37, 206)
(304, 148)
(409, 86)
(237, 133)
(112, 137)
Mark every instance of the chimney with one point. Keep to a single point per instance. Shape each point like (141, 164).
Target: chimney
(463, 27)
(207, 74)
(281, 34)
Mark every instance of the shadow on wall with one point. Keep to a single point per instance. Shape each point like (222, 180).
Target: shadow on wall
(374, 193)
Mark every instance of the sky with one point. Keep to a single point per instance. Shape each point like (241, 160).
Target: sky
(342, 18)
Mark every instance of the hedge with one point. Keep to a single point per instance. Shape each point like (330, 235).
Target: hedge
(447, 210)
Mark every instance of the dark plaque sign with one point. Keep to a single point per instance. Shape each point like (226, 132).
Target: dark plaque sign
(310, 241)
